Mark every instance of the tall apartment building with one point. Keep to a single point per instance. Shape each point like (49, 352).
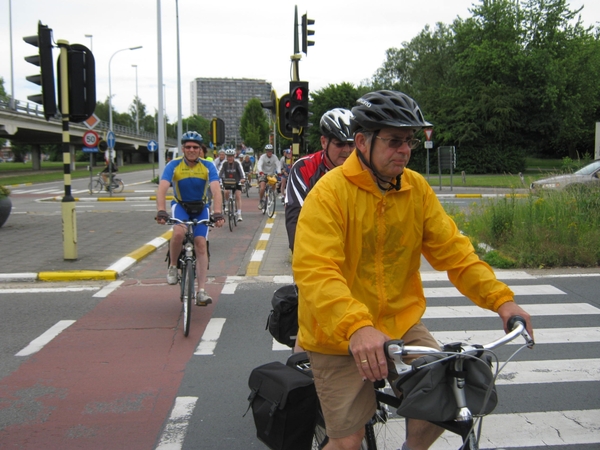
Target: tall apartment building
(226, 99)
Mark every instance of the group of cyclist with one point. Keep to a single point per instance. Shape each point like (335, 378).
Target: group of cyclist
(358, 222)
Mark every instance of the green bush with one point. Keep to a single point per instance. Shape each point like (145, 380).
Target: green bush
(4, 192)
(557, 229)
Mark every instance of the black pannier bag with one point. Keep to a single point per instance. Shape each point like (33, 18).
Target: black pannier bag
(427, 393)
(284, 405)
(283, 319)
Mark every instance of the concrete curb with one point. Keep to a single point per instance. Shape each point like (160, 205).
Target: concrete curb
(107, 199)
(111, 273)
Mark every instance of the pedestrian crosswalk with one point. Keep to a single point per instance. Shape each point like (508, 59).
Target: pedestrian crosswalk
(566, 359)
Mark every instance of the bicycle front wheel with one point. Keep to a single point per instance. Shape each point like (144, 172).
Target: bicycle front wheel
(383, 432)
(271, 203)
(95, 186)
(188, 294)
(231, 214)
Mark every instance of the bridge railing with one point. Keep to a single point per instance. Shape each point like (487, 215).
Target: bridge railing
(33, 109)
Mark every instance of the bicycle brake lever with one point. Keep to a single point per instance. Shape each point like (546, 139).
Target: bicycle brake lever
(394, 351)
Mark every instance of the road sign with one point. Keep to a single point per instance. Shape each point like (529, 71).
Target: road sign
(110, 139)
(90, 138)
(152, 146)
(92, 121)
(428, 144)
(428, 132)
(90, 149)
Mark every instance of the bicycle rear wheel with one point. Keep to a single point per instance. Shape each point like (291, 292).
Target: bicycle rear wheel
(271, 203)
(117, 185)
(188, 294)
(95, 186)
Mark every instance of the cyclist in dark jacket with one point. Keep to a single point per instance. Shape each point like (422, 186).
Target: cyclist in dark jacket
(337, 143)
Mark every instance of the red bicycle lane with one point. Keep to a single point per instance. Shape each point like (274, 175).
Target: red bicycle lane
(107, 381)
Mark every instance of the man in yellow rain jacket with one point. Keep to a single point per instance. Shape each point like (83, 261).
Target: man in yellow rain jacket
(359, 240)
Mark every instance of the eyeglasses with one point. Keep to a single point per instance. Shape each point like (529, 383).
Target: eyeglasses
(344, 144)
(191, 147)
(397, 143)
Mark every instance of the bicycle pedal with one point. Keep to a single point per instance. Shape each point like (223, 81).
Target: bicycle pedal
(205, 303)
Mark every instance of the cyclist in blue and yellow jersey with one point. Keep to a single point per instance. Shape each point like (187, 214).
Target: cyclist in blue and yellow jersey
(191, 178)
(360, 236)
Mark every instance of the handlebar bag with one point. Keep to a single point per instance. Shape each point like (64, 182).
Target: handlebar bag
(284, 406)
(427, 390)
(282, 322)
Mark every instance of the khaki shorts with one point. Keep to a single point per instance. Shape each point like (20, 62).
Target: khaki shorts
(348, 402)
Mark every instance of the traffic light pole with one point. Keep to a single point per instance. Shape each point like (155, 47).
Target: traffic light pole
(69, 218)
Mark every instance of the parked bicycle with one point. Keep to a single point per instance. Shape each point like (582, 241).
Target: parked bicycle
(458, 367)
(97, 185)
(186, 263)
(270, 196)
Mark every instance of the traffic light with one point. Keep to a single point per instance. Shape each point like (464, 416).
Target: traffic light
(271, 105)
(306, 33)
(102, 145)
(284, 115)
(82, 83)
(299, 104)
(217, 128)
(44, 61)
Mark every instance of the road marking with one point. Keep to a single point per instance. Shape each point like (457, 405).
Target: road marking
(108, 289)
(538, 289)
(38, 343)
(555, 371)
(210, 337)
(536, 429)
(258, 253)
(542, 336)
(174, 433)
(500, 275)
(545, 309)
(48, 290)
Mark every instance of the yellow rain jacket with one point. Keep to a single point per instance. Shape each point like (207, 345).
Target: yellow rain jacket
(357, 254)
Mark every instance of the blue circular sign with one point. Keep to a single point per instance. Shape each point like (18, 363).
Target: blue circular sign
(152, 146)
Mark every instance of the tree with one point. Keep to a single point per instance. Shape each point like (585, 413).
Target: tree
(254, 127)
(342, 95)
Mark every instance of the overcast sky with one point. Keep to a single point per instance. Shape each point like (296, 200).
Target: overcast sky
(223, 39)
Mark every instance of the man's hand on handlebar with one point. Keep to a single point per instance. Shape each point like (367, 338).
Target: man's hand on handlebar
(218, 219)
(162, 216)
(366, 346)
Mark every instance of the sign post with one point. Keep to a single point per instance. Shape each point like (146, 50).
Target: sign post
(90, 142)
(428, 145)
(152, 147)
(111, 141)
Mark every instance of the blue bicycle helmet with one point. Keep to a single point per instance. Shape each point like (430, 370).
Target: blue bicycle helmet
(192, 136)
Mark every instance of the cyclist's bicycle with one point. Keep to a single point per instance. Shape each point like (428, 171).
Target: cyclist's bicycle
(452, 361)
(270, 196)
(230, 205)
(247, 185)
(99, 185)
(187, 265)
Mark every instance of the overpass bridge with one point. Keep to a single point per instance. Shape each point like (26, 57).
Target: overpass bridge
(26, 124)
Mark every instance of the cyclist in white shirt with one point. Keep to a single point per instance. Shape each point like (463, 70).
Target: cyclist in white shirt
(268, 164)
(219, 160)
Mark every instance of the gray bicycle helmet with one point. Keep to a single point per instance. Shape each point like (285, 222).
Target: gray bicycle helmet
(381, 109)
(336, 124)
(230, 152)
(268, 148)
(191, 136)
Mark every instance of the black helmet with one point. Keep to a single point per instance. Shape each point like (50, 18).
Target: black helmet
(336, 123)
(382, 109)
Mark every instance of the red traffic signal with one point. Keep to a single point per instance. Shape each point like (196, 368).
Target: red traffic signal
(283, 117)
(299, 104)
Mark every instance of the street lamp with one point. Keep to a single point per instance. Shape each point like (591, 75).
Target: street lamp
(137, 102)
(110, 122)
(90, 36)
